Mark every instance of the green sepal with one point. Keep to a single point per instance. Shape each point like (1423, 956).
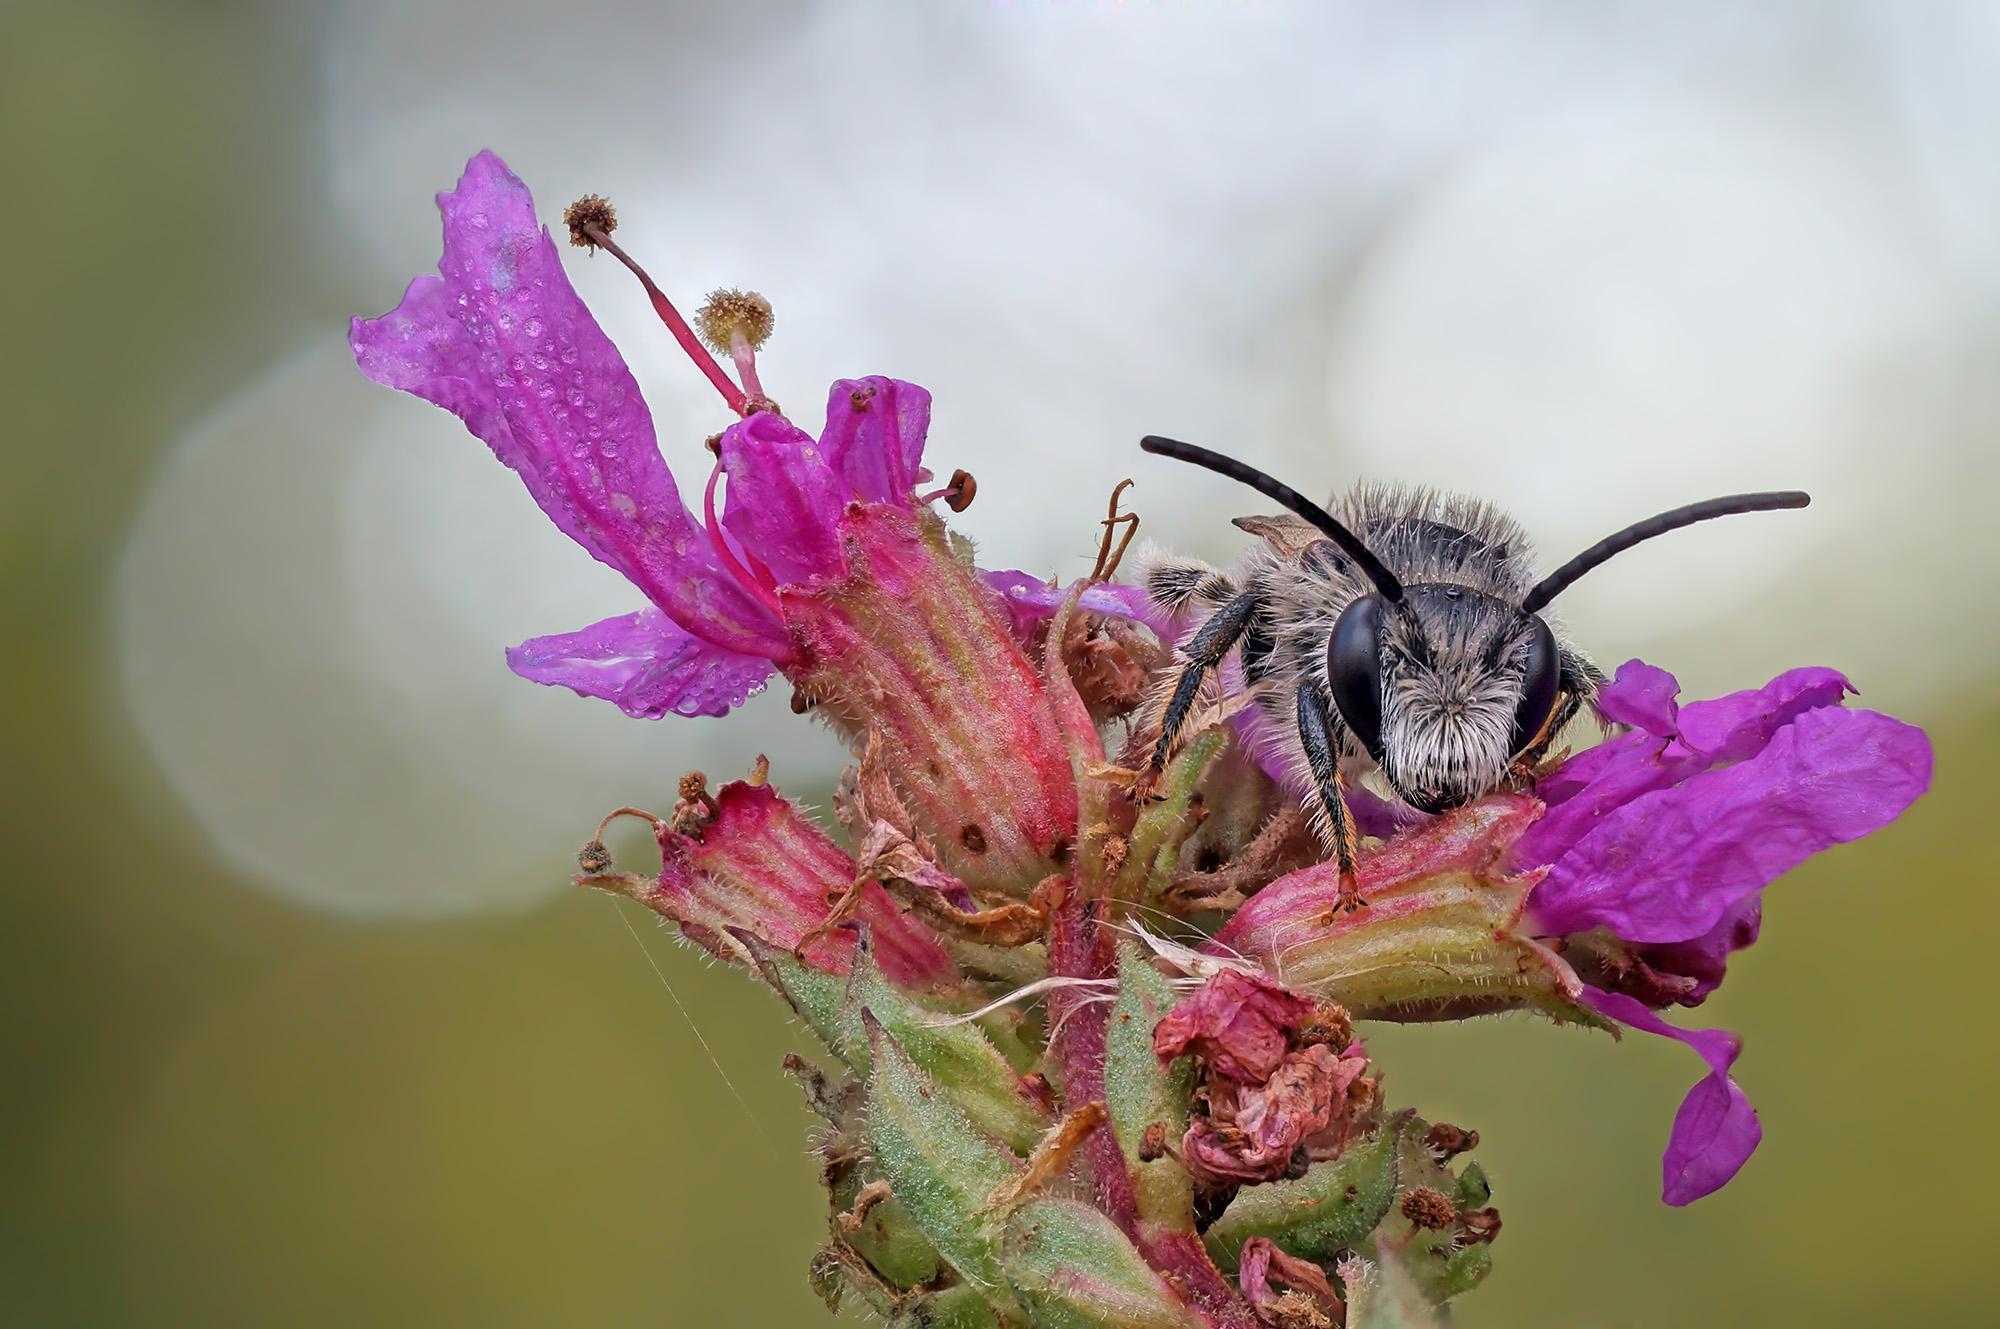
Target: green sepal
(1433, 1261)
(1154, 847)
(1389, 1298)
(836, 1271)
(1332, 1208)
(942, 1168)
(1473, 1188)
(960, 1306)
(1017, 1032)
(1139, 1092)
(962, 550)
(1016, 966)
(1072, 1268)
(888, 1238)
(816, 995)
(1464, 1269)
(958, 1057)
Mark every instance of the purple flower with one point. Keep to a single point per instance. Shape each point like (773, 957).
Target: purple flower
(823, 561)
(1031, 600)
(1643, 873)
(1659, 843)
(500, 338)
(1665, 836)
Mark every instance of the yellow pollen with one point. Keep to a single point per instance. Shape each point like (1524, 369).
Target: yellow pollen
(727, 312)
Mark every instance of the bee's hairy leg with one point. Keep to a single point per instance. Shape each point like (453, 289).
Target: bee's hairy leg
(1323, 755)
(1203, 653)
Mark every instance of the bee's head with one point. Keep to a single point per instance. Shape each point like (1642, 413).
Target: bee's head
(1444, 687)
(1442, 684)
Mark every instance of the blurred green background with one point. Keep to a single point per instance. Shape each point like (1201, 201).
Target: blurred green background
(219, 1109)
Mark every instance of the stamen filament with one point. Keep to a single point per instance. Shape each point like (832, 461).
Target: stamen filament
(765, 593)
(745, 357)
(737, 399)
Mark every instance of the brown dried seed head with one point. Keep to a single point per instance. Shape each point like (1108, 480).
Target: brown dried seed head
(1328, 1024)
(590, 213)
(594, 858)
(729, 312)
(1294, 1310)
(1153, 1142)
(1428, 1209)
(693, 785)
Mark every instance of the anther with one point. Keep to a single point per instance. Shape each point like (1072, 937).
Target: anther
(594, 858)
(590, 214)
(696, 806)
(737, 323)
(591, 220)
(730, 314)
(958, 494)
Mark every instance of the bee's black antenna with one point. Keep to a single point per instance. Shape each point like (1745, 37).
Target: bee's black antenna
(1563, 577)
(1385, 580)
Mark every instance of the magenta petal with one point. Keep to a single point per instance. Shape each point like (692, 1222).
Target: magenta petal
(1029, 600)
(785, 499)
(643, 664)
(1716, 1129)
(1705, 959)
(1640, 695)
(1668, 865)
(874, 436)
(1739, 725)
(1596, 785)
(502, 341)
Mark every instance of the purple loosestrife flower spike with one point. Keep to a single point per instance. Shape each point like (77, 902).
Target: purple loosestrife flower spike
(1185, 1130)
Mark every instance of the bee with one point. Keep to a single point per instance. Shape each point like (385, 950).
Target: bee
(1404, 637)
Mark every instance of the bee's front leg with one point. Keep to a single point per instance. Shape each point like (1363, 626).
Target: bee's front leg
(1322, 754)
(1203, 653)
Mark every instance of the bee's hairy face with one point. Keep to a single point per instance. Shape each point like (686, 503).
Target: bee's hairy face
(1452, 683)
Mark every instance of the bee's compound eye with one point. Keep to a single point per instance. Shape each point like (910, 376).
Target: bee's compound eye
(1538, 686)
(1354, 668)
